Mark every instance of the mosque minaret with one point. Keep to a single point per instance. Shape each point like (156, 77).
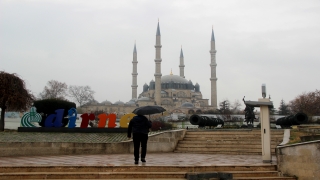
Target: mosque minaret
(213, 78)
(157, 74)
(134, 73)
(181, 66)
(172, 91)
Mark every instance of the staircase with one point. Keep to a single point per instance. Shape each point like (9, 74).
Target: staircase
(211, 141)
(264, 172)
(237, 142)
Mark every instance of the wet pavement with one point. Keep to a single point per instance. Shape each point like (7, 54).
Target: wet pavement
(153, 159)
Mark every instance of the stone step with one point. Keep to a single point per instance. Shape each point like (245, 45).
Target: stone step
(253, 173)
(222, 152)
(220, 149)
(266, 178)
(257, 175)
(232, 132)
(135, 168)
(229, 136)
(127, 175)
(231, 141)
(222, 145)
(92, 175)
(137, 179)
(272, 132)
(196, 140)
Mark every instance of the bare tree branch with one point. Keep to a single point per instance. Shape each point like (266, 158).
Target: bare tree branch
(81, 94)
(54, 90)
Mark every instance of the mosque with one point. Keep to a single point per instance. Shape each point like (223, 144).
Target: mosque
(173, 92)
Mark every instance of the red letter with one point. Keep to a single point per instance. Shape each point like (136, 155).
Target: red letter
(85, 120)
(102, 120)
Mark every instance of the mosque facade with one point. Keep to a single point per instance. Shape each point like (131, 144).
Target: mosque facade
(175, 93)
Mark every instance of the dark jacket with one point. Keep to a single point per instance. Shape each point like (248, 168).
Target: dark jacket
(139, 124)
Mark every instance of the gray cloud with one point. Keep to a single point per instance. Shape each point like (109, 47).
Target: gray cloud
(91, 43)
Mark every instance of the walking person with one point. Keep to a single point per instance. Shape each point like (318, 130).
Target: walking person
(139, 127)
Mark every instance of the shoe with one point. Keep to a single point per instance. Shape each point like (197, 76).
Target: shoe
(136, 162)
(143, 160)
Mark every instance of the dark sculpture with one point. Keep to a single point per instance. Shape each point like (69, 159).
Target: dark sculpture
(249, 115)
(205, 120)
(297, 119)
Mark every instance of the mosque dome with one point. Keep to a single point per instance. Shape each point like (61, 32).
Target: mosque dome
(132, 101)
(119, 103)
(187, 105)
(106, 102)
(173, 78)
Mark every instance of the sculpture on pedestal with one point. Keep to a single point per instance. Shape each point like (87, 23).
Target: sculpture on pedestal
(249, 113)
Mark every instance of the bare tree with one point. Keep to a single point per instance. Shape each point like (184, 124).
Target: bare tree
(81, 94)
(308, 103)
(235, 107)
(13, 95)
(54, 90)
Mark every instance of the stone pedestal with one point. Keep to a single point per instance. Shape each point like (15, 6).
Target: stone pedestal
(265, 131)
(264, 105)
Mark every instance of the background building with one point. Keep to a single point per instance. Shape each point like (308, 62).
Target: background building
(173, 92)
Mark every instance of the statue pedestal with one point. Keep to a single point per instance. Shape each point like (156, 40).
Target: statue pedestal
(264, 105)
(265, 131)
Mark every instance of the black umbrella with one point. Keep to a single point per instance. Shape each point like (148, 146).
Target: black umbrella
(147, 110)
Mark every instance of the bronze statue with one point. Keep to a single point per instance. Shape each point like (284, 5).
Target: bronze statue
(249, 115)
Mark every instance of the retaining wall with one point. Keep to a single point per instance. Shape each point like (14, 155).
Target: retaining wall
(162, 142)
(301, 160)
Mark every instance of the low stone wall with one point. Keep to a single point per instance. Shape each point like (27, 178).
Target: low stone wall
(313, 129)
(162, 142)
(301, 160)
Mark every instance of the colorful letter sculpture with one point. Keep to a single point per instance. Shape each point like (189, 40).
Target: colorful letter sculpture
(72, 116)
(124, 121)
(30, 117)
(54, 120)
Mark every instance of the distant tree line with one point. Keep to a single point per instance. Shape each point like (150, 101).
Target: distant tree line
(14, 96)
(59, 90)
(308, 103)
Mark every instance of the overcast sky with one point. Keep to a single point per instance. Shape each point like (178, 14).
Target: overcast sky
(276, 42)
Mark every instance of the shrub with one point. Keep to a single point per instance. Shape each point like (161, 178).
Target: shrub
(46, 107)
(160, 125)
